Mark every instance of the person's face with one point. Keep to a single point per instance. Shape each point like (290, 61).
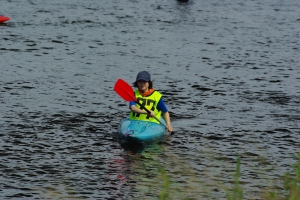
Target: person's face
(143, 85)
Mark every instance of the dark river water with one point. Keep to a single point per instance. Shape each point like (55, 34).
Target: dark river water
(229, 72)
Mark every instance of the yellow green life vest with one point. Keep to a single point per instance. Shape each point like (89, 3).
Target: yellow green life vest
(150, 102)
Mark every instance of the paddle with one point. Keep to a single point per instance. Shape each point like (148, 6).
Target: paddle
(125, 91)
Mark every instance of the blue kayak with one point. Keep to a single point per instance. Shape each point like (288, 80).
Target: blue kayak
(138, 131)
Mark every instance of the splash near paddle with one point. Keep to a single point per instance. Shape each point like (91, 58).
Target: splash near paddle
(4, 19)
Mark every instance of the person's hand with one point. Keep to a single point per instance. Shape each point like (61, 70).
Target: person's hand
(169, 128)
(151, 114)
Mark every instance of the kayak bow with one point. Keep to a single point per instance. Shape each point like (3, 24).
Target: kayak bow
(138, 131)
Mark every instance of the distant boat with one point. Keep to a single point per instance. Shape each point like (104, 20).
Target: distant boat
(4, 19)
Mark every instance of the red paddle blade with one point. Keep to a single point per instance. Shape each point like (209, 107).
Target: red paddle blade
(4, 18)
(124, 90)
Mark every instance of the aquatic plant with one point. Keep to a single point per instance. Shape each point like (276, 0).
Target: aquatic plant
(291, 184)
(237, 191)
(289, 191)
(164, 193)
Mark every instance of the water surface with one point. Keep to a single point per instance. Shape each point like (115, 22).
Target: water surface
(229, 72)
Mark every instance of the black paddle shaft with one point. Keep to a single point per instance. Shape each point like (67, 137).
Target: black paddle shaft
(148, 111)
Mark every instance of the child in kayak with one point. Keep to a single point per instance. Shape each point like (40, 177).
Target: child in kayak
(149, 98)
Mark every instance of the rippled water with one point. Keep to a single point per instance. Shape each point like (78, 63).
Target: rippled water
(229, 72)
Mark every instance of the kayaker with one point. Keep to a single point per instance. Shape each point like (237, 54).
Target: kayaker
(151, 99)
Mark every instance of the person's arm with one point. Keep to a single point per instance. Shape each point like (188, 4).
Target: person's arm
(161, 106)
(135, 109)
(168, 121)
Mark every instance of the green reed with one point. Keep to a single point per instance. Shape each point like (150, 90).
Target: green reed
(290, 182)
(164, 193)
(237, 191)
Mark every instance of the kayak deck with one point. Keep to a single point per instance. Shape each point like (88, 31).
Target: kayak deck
(140, 131)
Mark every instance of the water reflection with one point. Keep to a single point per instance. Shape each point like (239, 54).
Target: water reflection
(133, 169)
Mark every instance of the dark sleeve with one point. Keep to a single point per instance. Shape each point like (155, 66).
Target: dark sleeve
(131, 103)
(162, 106)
